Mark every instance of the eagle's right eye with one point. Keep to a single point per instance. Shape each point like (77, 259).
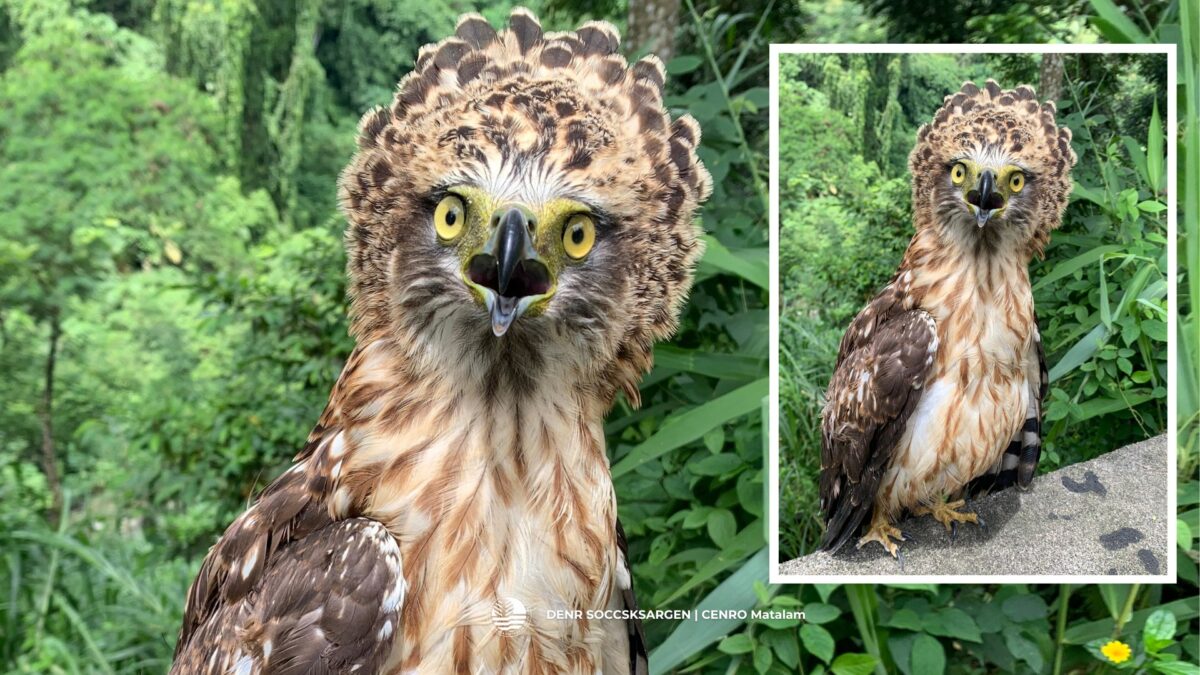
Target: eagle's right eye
(449, 217)
(959, 173)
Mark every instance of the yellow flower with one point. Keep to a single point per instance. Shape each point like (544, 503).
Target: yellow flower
(1116, 651)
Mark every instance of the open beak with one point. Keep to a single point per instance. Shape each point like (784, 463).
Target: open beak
(508, 272)
(985, 198)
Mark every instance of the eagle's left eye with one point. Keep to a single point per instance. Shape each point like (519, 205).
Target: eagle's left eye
(449, 217)
(1016, 182)
(959, 173)
(579, 236)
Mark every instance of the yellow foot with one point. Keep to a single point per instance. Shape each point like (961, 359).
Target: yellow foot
(883, 533)
(947, 514)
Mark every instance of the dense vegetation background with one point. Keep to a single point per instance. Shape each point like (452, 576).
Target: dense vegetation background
(172, 317)
(846, 125)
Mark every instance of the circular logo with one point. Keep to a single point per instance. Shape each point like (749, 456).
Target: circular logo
(509, 615)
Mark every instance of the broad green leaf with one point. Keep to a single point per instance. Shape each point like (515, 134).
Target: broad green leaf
(853, 664)
(683, 64)
(904, 618)
(1183, 534)
(736, 644)
(1155, 329)
(819, 612)
(690, 638)
(952, 622)
(785, 645)
(928, 656)
(721, 527)
(1159, 630)
(683, 428)
(1025, 607)
(715, 465)
(1023, 648)
(817, 641)
(749, 264)
(825, 591)
(762, 660)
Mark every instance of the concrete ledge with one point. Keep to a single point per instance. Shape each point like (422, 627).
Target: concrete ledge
(1106, 516)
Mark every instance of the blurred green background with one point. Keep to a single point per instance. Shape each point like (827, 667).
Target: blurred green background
(845, 220)
(172, 317)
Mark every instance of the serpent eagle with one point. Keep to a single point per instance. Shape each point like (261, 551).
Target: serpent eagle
(520, 234)
(937, 393)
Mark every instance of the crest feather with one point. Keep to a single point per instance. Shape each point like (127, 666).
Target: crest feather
(1009, 119)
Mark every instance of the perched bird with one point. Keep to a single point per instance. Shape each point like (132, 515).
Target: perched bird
(937, 394)
(520, 234)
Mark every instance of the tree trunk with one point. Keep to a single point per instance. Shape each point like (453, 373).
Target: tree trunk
(1051, 76)
(46, 417)
(652, 25)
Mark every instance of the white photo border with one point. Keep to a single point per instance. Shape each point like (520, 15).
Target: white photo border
(1170, 134)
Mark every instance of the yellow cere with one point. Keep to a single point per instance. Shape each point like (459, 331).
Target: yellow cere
(1116, 651)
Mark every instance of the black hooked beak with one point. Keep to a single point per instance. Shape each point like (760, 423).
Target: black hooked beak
(512, 238)
(985, 199)
(508, 269)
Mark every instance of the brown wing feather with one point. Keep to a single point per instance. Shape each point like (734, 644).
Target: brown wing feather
(245, 580)
(328, 602)
(884, 360)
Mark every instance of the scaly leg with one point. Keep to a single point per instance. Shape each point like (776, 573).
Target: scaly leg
(948, 514)
(882, 531)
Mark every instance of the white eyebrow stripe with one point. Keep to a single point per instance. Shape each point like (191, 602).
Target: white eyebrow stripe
(992, 156)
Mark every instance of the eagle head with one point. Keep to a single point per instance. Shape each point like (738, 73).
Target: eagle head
(525, 196)
(993, 168)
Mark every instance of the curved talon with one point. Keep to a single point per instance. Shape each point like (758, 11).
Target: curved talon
(982, 523)
(900, 559)
(881, 531)
(948, 514)
(906, 536)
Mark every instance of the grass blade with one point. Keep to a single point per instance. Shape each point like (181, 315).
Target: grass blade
(691, 425)
(689, 639)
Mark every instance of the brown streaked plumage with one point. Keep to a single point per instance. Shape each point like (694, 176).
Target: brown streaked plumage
(939, 382)
(520, 234)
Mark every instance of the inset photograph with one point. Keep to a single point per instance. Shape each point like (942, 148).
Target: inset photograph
(972, 339)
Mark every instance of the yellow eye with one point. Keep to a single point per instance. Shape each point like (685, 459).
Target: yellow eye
(579, 236)
(449, 217)
(959, 173)
(1016, 182)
